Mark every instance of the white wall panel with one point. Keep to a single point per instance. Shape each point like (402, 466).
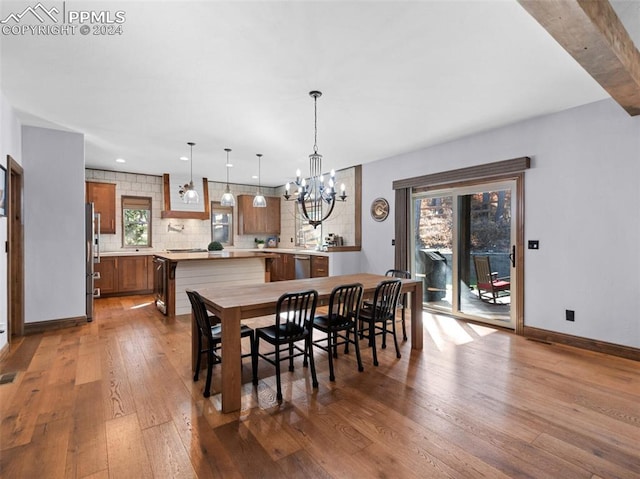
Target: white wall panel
(54, 196)
(210, 273)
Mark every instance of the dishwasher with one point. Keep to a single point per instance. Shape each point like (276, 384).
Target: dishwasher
(303, 266)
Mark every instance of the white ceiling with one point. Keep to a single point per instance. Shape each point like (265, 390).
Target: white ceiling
(395, 77)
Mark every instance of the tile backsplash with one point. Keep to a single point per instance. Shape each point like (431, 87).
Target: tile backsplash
(167, 233)
(171, 233)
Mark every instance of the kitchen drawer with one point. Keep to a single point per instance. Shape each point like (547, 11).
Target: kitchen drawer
(319, 266)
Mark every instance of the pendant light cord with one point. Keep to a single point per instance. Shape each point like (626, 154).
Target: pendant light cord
(227, 165)
(191, 143)
(259, 155)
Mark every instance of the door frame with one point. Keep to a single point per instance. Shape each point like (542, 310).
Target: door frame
(15, 258)
(518, 224)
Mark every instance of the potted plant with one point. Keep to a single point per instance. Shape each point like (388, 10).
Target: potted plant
(215, 246)
(259, 243)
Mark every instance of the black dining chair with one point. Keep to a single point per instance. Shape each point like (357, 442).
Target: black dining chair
(293, 323)
(402, 303)
(340, 323)
(378, 313)
(210, 329)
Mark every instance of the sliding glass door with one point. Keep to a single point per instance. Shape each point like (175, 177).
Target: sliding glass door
(464, 251)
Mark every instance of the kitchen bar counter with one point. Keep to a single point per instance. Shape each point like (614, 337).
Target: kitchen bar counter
(176, 272)
(215, 255)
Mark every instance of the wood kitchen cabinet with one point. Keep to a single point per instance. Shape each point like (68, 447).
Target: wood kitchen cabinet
(103, 197)
(122, 275)
(283, 267)
(108, 281)
(258, 220)
(132, 274)
(319, 266)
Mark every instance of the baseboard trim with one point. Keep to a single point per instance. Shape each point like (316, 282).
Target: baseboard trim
(583, 343)
(42, 326)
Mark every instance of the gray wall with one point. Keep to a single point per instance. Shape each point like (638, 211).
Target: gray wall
(53, 163)
(581, 200)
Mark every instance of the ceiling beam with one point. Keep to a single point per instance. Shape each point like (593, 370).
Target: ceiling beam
(591, 32)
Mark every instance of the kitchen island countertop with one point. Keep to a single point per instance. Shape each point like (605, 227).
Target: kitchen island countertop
(214, 255)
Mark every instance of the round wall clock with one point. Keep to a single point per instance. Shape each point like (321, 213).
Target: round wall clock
(379, 209)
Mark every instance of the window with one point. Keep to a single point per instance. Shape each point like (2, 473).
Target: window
(136, 221)
(221, 223)
(306, 235)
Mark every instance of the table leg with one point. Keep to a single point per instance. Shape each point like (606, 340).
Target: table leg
(416, 316)
(231, 361)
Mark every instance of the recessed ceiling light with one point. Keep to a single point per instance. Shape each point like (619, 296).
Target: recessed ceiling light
(229, 165)
(184, 158)
(120, 160)
(254, 177)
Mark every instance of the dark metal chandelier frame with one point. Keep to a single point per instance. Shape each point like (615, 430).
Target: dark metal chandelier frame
(313, 193)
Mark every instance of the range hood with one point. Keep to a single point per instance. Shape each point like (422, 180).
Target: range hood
(174, 207)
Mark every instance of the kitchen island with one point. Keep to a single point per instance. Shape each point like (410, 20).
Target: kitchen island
(174, 273)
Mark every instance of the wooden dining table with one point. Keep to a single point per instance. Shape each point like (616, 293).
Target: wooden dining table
(232, 304)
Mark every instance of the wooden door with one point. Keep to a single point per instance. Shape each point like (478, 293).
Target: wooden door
(132, 274)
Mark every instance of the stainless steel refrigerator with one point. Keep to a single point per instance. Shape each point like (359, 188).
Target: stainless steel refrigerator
(92, 243)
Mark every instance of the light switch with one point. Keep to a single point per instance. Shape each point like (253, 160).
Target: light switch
(534, 244)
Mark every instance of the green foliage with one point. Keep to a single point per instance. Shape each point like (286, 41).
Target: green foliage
(489, 222)
(136, 227)
(215, 246)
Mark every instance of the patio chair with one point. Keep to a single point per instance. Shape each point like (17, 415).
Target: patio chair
(490, 287)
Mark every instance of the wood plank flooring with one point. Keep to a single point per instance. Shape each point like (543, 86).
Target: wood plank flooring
(115, 399)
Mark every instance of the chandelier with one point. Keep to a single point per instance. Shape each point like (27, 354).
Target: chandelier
(188, 192)
(316, 199)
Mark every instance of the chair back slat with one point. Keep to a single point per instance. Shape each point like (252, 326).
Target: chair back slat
(385, 298)
(344, 303)
(483, 271)
(295, 312)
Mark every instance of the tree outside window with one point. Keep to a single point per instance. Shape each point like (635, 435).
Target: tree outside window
(136, 221)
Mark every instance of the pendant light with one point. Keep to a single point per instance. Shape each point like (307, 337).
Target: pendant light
(190, 195)
(259, 201)
(227, 197)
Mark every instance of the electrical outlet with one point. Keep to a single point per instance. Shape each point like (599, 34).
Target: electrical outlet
(534, 244)
(570, 315)
(393, 242)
